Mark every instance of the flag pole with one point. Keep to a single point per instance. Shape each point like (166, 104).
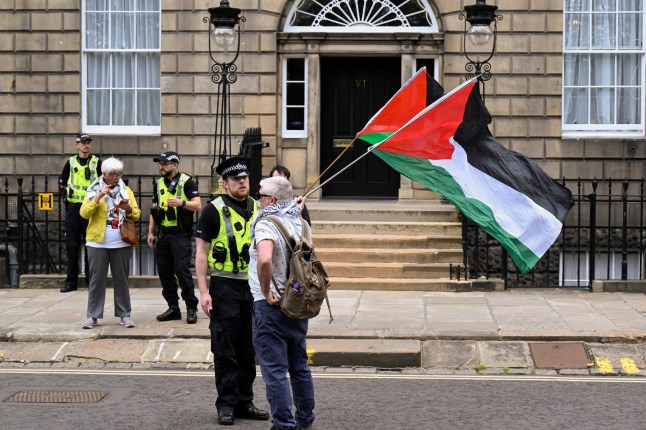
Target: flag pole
(337, 173)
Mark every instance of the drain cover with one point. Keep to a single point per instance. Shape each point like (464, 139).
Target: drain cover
(57, 396)
(559, 355)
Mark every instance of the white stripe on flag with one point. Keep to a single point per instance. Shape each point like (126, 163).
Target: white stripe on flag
(530, 223)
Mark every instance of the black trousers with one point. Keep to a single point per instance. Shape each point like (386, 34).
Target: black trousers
(231, 342)
(173, 257)
(75, 227)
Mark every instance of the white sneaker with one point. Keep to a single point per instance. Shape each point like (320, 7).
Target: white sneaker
(89, 323)
(126, 321)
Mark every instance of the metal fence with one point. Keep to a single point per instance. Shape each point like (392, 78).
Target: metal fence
(32, 230)
(603, 238)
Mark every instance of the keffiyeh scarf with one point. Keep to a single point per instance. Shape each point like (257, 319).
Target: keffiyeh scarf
(113, 198)
(279, 209)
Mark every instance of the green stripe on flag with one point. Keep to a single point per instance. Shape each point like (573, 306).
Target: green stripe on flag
(373, 138)
(440, 181)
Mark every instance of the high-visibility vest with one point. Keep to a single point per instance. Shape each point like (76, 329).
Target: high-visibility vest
(163, 194)
(78, 181)
(234, 265)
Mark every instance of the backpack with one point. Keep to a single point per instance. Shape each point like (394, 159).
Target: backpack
(307, 280)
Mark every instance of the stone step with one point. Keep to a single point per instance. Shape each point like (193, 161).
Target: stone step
(387, 227)
(387, 270)
(425, 211)
(398, 284)
(390, 255)
(386, 241)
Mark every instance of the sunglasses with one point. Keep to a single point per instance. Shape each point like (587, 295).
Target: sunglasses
(260, 196)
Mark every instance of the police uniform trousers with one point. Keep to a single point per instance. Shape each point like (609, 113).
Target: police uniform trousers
(75, 227)
(231, 342)
(173, 257)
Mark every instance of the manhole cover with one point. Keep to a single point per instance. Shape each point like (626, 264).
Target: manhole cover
(559, 355)
(57, 396)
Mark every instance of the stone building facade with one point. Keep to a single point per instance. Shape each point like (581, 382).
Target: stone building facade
(42, 86)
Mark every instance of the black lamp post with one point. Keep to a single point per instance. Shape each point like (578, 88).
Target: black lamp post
(480, 35)
(225, 34)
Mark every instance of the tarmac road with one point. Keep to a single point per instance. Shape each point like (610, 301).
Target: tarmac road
(165, 399)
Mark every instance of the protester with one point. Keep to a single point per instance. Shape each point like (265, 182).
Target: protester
(78, 173)
(107, 202)
(279, 340)
(279, 170)
(175, 200)
(223, 241)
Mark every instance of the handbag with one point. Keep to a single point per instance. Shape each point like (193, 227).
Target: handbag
(129, 232)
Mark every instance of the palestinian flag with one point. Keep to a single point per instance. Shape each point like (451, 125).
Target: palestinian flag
(449, 149)
(416, 94)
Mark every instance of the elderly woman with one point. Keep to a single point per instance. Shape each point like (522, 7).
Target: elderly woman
(107, 202)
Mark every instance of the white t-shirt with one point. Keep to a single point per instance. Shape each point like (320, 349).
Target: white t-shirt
(266, 230)
(112, 238)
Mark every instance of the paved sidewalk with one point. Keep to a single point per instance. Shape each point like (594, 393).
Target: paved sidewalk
(484, 332)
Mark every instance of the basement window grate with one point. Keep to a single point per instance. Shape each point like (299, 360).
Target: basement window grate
(57, 396)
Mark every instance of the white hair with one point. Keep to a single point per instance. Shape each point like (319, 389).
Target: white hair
(112, 165)
(278, 187)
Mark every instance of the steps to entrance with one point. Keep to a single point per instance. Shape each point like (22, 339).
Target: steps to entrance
(388, 245)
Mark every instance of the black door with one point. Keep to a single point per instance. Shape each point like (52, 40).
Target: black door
(352, 91)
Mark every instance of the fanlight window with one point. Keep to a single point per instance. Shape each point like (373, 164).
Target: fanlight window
(361, 16)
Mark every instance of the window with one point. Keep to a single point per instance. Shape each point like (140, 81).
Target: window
(606, 266)
(294, 97)
(603, 72)
(367, 16)
(121, 72)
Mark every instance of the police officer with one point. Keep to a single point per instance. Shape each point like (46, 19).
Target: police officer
(223, 240)
(78, 173)
(175, 199)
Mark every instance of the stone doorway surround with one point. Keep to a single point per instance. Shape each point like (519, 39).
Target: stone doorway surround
(302, 155)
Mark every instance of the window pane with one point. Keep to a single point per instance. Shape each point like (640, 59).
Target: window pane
(295, 118)
(148, 31)
(577, 31)
(629, 70)
(296, 94)
(577, 5)
(123, 31)
(576, 106)
(98, 107)
(631, 5)
(577, 70)
(123, 103)
(603, 31)
(629, 111)
(148, 107)
(602, 70)
(147, 4)
(123, 70)
(295, 69)
(96, 5)
(97, 30)
(148, 70)
(603, 5)
(98, 70)
(122, 4)
(631, 33)
(602, 106)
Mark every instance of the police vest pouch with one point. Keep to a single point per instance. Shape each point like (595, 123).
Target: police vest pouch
(129, 232)
(307, 279)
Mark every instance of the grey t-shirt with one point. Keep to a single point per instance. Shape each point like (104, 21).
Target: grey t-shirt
(266, 230)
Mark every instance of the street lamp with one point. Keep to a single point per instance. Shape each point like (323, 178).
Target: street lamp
(480, 35)
(225, 35)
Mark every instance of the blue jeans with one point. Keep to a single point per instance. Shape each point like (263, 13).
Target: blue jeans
(279, 342)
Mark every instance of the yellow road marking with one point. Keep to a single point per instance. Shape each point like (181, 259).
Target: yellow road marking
(310, 353)
(603, 364)
(629, 365)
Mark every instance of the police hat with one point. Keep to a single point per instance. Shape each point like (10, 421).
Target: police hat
(82, 137)
(168, 156)
(234, 166)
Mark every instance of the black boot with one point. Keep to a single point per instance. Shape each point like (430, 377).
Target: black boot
(191, 316)
(68, 287)
(172, 313)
